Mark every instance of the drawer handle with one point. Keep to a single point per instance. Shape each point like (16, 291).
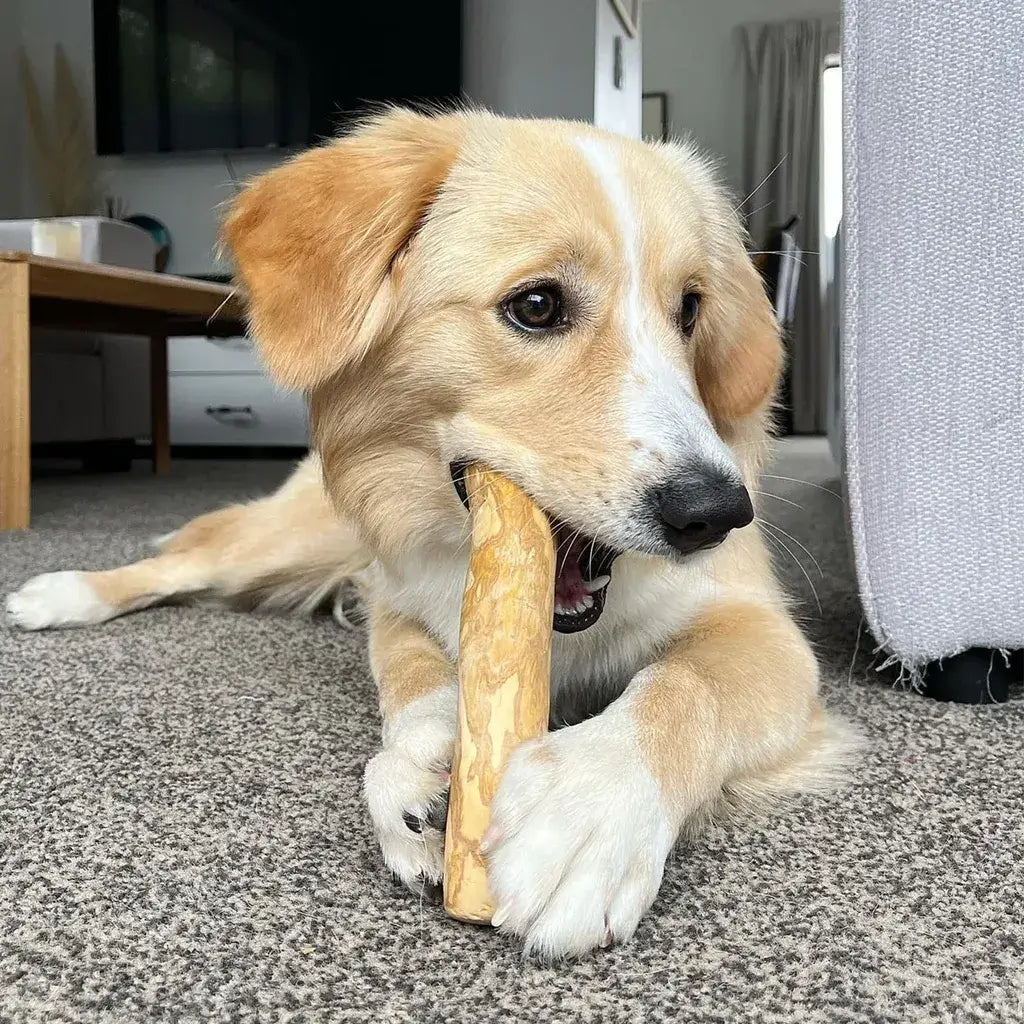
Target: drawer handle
(232, 415)
(232, 344)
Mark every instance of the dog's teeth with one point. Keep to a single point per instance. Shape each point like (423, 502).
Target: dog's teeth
(585, 603)
(594, 585)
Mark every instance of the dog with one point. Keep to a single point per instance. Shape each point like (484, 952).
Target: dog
(578, 311)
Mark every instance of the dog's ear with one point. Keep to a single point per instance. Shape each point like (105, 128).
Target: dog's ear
(315, 240)
(737, 369)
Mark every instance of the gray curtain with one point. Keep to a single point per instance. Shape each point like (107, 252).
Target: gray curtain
(782, 64)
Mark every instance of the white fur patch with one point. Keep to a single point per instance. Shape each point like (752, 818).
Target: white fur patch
(662, 412)
(649, 600)
(57, 599)
(429, 590)
(609, 172)
(408, 775)
(579, 837)
(425, 726)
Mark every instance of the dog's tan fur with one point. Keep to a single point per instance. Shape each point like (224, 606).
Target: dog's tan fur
(373, 267)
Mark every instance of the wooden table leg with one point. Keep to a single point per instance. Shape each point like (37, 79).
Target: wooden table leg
(15, 422)
(159, 415)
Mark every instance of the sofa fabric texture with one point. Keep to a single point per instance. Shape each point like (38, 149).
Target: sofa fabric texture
(933, 361)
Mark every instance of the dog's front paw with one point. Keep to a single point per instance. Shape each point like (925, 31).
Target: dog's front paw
(406, 787)
(579, 837)
(56, 599)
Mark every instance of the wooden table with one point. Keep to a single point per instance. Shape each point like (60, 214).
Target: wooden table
(39, 292)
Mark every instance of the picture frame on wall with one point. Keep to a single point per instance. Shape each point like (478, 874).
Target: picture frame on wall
(654, 126)
(628, 12)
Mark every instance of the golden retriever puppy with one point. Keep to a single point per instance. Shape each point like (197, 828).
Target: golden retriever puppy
(576, 310)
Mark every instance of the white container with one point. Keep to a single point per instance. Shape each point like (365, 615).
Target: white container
(88, 239)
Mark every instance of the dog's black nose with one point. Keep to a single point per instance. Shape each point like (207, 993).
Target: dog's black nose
(698, 509)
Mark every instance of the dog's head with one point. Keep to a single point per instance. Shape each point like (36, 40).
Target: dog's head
(572, 308)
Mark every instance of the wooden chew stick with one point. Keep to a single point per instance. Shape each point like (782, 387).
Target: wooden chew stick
(504, 671)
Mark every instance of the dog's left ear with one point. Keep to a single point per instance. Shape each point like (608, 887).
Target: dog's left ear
(737, 369)
(316, 240)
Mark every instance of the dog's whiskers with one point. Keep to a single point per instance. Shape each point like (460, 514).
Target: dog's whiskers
(779, 252)
(776, 540)
(806, 483)
(763, 206)
(757, 188)
(779, 529)
(213, 316)
(778, 497)
(568, 542)
(792, 255)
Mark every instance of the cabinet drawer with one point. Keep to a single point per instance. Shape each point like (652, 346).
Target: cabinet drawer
(211, 355)
(208, 408)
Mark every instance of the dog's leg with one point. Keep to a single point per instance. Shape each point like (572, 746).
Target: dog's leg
(585, 817)
(288, 550)
(406, 782)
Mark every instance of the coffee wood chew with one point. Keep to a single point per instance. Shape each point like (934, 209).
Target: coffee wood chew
(504, 671)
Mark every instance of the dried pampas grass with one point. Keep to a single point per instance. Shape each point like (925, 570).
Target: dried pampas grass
(62, 149)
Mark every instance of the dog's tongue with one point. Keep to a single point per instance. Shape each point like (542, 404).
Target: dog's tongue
(569, 588)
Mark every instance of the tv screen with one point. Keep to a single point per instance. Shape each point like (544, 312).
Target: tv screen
(193, 75)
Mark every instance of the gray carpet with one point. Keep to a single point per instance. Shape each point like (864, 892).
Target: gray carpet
(182, 839)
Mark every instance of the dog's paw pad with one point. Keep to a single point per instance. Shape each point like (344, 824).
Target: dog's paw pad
(56, 599)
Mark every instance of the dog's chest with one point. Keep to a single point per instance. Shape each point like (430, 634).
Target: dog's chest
(643, 611)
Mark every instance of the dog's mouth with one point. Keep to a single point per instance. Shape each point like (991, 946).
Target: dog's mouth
(583, 568)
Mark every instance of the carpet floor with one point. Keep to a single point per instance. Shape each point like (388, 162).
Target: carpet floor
(182, 837)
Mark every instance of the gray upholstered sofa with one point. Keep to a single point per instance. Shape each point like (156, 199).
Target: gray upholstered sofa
(931, 379)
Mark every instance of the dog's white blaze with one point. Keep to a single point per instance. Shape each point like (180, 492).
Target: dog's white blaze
(660, 404)
(606, 167)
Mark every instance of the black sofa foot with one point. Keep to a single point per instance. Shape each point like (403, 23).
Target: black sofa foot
(979, 675)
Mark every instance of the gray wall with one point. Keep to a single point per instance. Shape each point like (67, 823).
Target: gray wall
(532, 58)
(690, 53)
(551, 58)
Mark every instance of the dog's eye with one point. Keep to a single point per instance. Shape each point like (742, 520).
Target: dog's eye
(688, 313)
(539, 308)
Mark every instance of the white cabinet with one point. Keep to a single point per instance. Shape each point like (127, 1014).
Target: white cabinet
(212, 355)
(219, 395)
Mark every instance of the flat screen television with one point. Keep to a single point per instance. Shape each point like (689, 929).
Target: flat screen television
(194, 75)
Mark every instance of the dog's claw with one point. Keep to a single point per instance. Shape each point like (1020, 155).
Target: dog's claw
(437, 813)
(436, 816)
